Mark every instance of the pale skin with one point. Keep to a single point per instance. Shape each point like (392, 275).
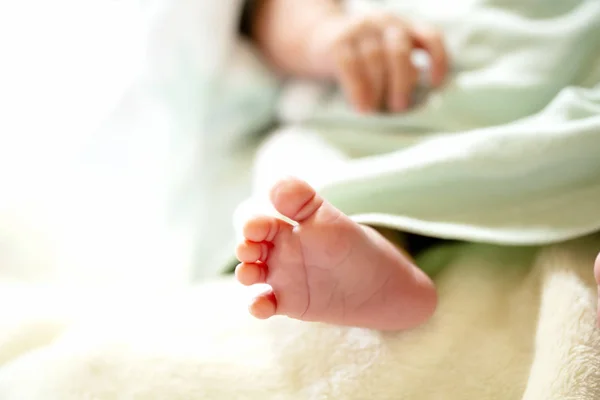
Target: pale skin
(326, 267)
(369, 56)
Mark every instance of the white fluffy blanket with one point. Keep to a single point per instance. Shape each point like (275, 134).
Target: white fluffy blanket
(512, 324)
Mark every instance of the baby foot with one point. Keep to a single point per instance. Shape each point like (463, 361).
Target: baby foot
(328, 268)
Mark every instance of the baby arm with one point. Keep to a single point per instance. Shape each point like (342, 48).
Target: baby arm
(282, 28)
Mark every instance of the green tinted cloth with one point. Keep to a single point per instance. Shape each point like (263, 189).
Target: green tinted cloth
(507, 152)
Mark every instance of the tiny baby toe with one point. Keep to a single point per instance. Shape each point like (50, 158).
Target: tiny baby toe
(264, 306)
(262, 228)
(251, 273)
(251, 252)
(295, 199)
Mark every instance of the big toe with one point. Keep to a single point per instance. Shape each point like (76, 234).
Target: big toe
(295, 199)
(264, 306)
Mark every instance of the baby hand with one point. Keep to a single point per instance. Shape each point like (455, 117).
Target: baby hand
(370, 57)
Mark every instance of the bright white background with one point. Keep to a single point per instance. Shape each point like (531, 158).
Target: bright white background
(65, 67)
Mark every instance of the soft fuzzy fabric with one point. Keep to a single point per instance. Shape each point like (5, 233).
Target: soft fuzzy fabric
(513, 323)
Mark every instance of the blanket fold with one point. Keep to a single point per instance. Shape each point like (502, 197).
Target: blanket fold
(533, 181)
